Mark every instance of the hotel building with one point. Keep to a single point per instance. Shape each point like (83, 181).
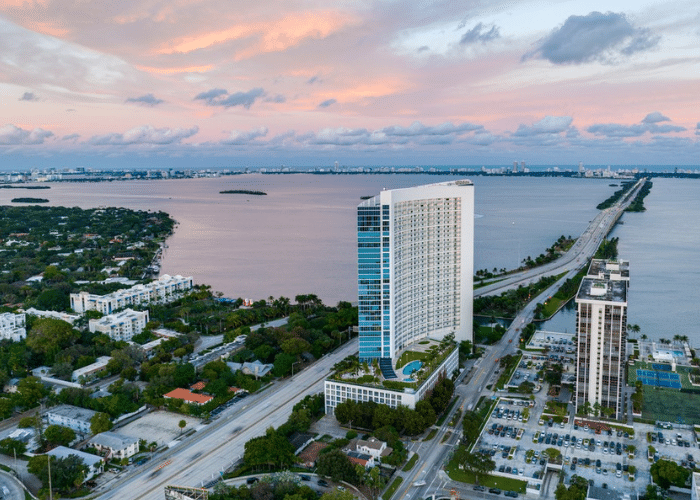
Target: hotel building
(601, 325)
(415, 255)
(122, 325)
(415, 266)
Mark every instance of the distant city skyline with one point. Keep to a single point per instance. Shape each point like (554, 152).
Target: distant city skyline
(158, 84)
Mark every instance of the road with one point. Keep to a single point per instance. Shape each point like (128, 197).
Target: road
(577, 256)
(216, 446)
(434, 453)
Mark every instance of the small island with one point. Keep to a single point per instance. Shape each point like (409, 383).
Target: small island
(29, 200)
(243, 191)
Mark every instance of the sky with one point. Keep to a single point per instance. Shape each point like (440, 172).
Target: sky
(210, 84)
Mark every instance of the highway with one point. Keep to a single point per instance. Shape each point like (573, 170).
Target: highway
(199, 458)
(214, 447)
(469, 387)
(577, 256)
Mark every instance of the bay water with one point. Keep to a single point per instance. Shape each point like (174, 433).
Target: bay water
(300, 238)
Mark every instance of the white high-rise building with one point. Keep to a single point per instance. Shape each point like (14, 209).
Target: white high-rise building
(601, 325)
(415, 267)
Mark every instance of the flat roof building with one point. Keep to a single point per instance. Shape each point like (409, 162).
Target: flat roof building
(165, 289)
(601, 325)
(415, 267)
(116, 445)
(122, 325)
(73, 417)
(12, 326)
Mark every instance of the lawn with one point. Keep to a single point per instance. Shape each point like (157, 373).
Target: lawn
(392, 489)
(409, 356)
(409, 465)
(504, 483)
(669, 405)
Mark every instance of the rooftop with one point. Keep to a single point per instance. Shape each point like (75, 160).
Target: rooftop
(189, 396)
(63, 452)
(113, 440)
(73, 412)
(609, 269)
(603, 290)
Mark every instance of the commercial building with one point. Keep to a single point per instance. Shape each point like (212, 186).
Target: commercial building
(188, 396)
(415, 267)
(122, 325)
(73, 417)
(12, 327)
(165, 289)
(601, 325)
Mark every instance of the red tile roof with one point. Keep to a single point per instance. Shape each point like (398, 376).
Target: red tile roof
(198, 386)
(188, 396)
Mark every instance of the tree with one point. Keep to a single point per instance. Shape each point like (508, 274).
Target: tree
(58, 435)
(66, 473)
(48, 336)
(31, 391)
(182, 424)
(476, 463)
(336, 465)
(100, 422)
(372, 480)
(338, 495)
(666, 473)
(576, 491)
(12, 447)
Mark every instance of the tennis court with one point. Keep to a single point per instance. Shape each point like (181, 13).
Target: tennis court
(659, 378)
(660, 367)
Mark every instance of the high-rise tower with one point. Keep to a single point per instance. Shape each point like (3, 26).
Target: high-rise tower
(601, 325)
(415, 266)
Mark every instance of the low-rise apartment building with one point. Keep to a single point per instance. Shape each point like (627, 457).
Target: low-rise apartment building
(165, 289)
(122, 325)
(12, 327)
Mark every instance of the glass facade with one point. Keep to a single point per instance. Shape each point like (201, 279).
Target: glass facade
(369, 272)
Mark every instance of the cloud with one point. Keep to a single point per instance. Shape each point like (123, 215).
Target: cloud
(327, 102)
(70, 137)
(28, 96)
(11, 135)
(417, 128)
(592, 37)
(547, 125)
(279, 98)
(313, 80)
(422, 48)
(655, 117)
(146, 100)
(238, 137)
(221, 97)
(648, 124)
(144, 135)
(697, 129)
(480, 34)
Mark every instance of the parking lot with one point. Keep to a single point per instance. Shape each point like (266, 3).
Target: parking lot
(521, 443)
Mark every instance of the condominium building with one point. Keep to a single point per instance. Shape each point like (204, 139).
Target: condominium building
(73, 417)
(12, 327)
(165, 289)
(415, 267)
(601, 325)
(122, 325)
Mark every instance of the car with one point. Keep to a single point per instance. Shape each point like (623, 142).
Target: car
(304, 477)
(573, 466)
(322, 482)
(252, 480)
(478, 487)
(511, 494)
(340, 488)
(494, 491)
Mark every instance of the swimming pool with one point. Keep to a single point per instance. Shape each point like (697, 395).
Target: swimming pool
(411, 367)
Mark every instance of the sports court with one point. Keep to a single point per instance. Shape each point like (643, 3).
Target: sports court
(659, 378)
